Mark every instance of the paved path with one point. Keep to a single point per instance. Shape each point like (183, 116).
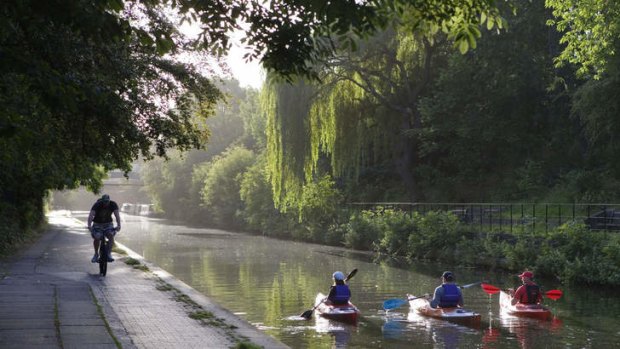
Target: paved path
(51, 296)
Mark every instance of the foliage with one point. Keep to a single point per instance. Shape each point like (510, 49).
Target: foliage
(254, 121)
(260, 213)
(220, 193)
(590, 33)
(292, 37)
(286, 108)
(82, 94)
(510, 129)
(570, 253)
(171, 184)
(435, 236)
(319, 206)
(363, 230)
(596, 107)
(364, 114)
(398, 227)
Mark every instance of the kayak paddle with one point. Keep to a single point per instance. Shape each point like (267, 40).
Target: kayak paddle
(308, 313)
(490, 289)
(472, 284)
(551, 294)
(554, 294)
(394, 303)
(397, 302)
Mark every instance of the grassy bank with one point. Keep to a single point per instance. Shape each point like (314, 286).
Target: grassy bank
(571, 253)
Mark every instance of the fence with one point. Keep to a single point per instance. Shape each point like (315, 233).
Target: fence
(509, 216)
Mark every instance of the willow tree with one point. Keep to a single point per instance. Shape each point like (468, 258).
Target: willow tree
(288, 153)
(384, 83)
(365, 112)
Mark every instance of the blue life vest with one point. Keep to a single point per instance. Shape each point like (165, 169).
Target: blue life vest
(451, 296)
(342, 296)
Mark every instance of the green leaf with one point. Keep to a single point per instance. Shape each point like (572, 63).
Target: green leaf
(463, 46)
(490, 23)
(471, 40)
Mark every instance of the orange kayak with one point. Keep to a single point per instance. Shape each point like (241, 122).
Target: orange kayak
(459, 315)
(347, 313)
(535, 311)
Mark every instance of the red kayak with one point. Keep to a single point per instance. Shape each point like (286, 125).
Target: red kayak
(535, 311)
(458, 315)
(347, 313)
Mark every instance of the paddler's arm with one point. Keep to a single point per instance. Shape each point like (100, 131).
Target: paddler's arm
(436, 297)
(332, 293)
(517, 295)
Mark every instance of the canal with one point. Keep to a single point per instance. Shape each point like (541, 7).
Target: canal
(270, 282)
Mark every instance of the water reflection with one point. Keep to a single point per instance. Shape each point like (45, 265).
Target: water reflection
(528, 332)
(444, 334)
(340, 333)
(268, 282)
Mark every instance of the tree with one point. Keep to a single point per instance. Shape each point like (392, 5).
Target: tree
(220, 193)
(590, 33)
(499, 115)
(391, 74)
(290, 37)
(364, 114)
(86, 87)
(170, 184)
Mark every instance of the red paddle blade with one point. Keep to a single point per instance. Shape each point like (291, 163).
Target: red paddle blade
(554, 294)
(489, 289)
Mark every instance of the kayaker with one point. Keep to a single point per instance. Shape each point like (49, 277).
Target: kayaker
(448, 294)
(339, 292)
(529, 292)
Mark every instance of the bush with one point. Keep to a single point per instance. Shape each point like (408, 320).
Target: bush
(436, 236)
(319, 207)
(336, 234)
(363, 230)
(220, 193)
(398, 226)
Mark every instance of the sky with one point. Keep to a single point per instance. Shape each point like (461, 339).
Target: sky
(249, 74)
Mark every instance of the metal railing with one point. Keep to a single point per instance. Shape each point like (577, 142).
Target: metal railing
(509, 216)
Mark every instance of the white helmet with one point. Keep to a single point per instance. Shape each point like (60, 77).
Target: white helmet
(338, 276)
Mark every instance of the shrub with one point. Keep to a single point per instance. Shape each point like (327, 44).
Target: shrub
(363, 230)
(436, 236)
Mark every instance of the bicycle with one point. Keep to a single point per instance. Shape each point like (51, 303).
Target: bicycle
(104, 246)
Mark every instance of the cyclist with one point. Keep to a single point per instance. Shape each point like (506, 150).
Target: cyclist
(100, 221)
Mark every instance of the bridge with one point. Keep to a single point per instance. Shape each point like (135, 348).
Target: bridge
(117, 178)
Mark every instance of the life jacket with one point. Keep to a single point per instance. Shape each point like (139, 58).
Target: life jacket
(451, 296)
(342, 294)
(531, 295)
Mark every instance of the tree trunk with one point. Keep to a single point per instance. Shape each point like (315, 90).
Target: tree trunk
(404, 161)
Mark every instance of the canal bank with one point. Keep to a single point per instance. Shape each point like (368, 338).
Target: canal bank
(51, 296)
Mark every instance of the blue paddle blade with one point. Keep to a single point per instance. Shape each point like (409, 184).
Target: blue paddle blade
(393, 303)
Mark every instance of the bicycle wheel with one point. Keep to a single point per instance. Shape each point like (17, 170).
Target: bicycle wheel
(103, 257)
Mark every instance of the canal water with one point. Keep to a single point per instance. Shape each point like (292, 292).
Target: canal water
(271, 282)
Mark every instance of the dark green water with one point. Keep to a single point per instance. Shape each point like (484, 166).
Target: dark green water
(270, 282)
